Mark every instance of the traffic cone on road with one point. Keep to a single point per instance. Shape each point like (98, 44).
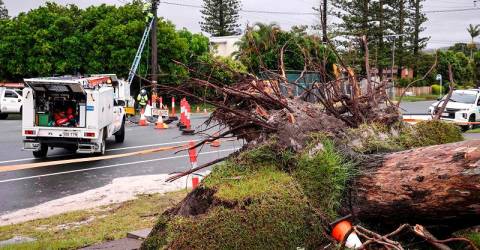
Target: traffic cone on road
(182, 123)
(205, 111)
(188, 123)
(143, 119)
(192, 154)
(198, 109)
(173, 115)
(215, 143)
(160, 124)
(340, 229)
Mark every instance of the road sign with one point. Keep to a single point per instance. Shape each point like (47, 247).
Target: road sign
(163, 112)
(439, 77)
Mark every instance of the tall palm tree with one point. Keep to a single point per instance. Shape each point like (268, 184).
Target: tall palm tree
(474, 31)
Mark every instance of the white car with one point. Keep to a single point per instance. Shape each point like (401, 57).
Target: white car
(11, 102)
(464, 106)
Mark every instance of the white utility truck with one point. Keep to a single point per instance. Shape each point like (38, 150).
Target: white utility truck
(10, 102)
(464, 106)
(74, 113)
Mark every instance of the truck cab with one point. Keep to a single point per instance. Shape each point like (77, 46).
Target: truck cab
(11, 102)
(74, 113)
(464, 106)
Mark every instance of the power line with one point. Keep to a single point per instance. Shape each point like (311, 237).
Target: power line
(247, 11)
(309, 13)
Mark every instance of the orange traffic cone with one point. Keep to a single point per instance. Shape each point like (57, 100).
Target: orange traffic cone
(143, 119)
(341, 229)
(182, 123)
(173, 115)
(215, 143)
(198, 109)
(195, 181)
(205, 111)
(160, 124)
(193, 156)
(188, 122)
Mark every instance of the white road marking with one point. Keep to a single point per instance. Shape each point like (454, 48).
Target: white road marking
(112, 166)
(108, 150)
(151, 145)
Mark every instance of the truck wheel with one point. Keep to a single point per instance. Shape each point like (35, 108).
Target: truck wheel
(103, 146)
(120, 135)
(42, 153)
(3, 116)
(470, 126)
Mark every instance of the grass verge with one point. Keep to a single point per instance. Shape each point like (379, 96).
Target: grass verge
(474, 131)
(418, 98)
(87, 227)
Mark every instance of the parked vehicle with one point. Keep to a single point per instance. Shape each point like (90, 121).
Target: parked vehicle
(464, 106)
(75, 113)
(11, 102)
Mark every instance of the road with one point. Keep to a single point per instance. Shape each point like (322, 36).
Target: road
(415, 107)
(30, 187)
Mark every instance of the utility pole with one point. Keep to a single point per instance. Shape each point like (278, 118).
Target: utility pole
(154, 47)
(394, 37)
(323, 17)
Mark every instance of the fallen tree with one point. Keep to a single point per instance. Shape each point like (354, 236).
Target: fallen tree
(436, 185)
(305, 163)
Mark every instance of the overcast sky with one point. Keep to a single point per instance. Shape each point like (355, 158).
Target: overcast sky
(443, 28)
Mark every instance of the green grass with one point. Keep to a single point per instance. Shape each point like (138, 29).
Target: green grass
(255, 205)
(87, 227)
(474, 237)
(474, 131)
(417, 98)
(324, 175)
(264, 209)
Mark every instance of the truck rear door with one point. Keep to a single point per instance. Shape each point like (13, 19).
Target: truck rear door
(57, 86)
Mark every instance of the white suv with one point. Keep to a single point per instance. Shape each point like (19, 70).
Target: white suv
(11, 101)
(464, 106)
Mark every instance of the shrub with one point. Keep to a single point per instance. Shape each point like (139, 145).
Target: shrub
(427, 133)
(374, 138)
(436, 88)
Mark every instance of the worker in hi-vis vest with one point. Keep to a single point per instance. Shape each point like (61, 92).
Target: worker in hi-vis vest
(142, 99)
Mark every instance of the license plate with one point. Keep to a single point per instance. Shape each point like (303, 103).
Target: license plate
(70, 134)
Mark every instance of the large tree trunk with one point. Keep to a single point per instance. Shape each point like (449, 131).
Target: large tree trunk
(437, 185)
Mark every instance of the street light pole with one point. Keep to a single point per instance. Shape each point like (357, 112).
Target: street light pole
(393, 55)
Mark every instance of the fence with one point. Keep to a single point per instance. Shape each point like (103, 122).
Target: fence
(426, 90)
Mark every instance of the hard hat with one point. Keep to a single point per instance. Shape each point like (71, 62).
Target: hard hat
(143, 92)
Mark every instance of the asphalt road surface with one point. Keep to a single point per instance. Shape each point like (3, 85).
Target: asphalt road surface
(27, 188)
(415, 107)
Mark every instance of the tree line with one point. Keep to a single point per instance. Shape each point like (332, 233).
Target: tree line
(390, 26)
(66, 40)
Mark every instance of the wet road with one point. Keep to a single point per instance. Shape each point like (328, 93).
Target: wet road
(416, 107)
(30, 187)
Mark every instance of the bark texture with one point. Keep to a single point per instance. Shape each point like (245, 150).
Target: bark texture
(432, 185)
